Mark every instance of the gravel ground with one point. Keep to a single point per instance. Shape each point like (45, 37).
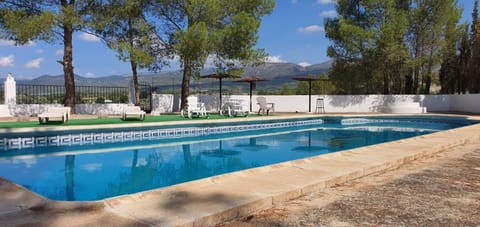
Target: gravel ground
(440, 191)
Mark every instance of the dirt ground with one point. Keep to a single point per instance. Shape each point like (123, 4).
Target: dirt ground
(440, 191)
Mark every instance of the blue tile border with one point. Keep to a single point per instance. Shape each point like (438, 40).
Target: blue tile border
(152, 134)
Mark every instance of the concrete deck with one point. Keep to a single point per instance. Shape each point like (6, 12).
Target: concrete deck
(209, 201)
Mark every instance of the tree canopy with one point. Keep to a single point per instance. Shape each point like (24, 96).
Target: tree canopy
(223, 30)
(395, 46)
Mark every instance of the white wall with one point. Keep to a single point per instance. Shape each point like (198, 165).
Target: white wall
(345, 103)
(465, 103)
(31, 109)
(110, 108)
(35, 109)
(292, 103)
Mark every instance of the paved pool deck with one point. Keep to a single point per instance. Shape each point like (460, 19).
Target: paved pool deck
(213, 200)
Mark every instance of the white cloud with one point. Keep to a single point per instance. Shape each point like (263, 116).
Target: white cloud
(324, 2)
(59, 52)
(4, 42)
(89, 74)
(304, 64)
(89, 37)
(39, 51)
(7, 61)
(275, 59)
(311, 29)
(329, 13)
(34, 64)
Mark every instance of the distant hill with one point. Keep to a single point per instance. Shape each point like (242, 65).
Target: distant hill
(276, 73)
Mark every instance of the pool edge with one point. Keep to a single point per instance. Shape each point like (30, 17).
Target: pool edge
(357, 162)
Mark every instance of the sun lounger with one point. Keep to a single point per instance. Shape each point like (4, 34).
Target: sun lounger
(58, 113)
(133, 111)
(234, 108)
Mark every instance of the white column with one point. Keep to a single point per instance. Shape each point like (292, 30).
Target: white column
(10, 90)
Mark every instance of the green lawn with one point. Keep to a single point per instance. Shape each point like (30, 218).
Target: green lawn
(95, 121)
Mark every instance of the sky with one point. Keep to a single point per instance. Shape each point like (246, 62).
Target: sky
(292, 33)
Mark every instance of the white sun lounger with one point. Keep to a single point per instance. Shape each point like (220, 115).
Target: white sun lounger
(133, 111)
(59, 113)
(234, 108)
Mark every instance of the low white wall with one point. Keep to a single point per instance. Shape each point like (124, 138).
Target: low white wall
(31, 109)
(465, 103)
(290, 103)
(35, 109)
(110, 108)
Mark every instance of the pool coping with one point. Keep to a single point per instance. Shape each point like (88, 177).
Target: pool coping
(209, 121)
(225, 197)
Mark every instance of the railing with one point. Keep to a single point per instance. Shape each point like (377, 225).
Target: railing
(94, 94)
(53, 94)
(40, 94)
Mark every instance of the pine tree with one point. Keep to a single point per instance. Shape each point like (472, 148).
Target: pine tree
(123, 25)
(224, 29)
(51, 21)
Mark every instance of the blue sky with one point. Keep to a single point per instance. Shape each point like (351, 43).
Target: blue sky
(292, 33)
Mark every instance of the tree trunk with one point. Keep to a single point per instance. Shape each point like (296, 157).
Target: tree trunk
(187, 72)
(68, 65)
(135, 82)
(386, 80)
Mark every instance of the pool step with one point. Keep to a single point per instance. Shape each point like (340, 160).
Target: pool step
(4, 111)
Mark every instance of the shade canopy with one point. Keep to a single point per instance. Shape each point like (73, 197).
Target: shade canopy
(252, 80)
(309, 78)
(220, 77)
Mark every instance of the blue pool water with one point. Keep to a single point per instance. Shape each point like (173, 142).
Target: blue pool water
(92, 165)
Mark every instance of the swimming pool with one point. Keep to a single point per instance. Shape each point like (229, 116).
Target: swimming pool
(91, 165)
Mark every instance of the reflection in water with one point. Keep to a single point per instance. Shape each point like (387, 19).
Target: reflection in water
(252, 145)
(139, 169)
(220, 152)
(309, 147)
(69, 177)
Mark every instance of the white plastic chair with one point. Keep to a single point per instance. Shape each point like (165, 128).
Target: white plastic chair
(264, 106)
(194, 108)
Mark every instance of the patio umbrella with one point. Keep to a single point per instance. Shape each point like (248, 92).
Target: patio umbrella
(220, 77)
(308, 78)
(252, 80)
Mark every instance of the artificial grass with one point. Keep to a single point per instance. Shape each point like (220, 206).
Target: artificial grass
(100, 121)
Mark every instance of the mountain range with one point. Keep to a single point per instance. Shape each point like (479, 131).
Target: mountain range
(277, 74)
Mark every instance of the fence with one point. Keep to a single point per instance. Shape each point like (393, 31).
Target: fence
(53, 94)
